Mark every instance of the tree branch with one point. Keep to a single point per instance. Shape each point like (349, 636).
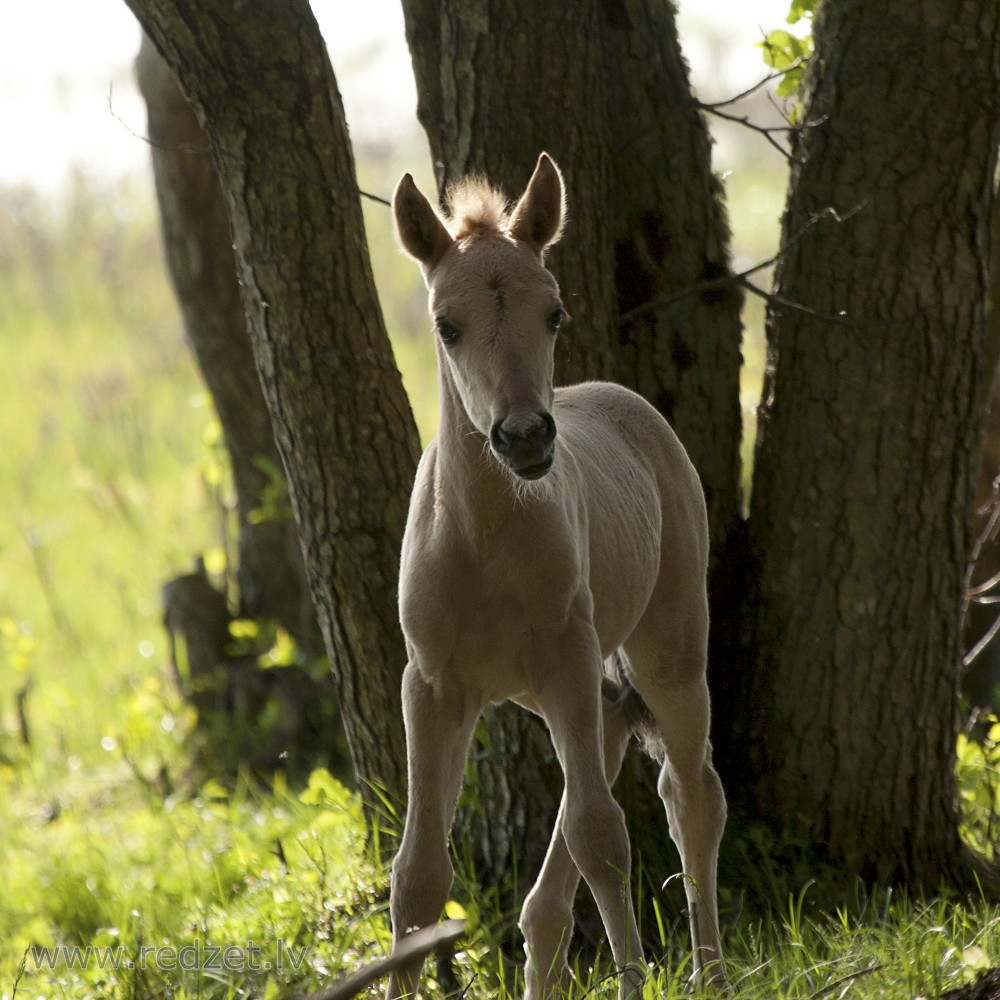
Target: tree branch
(740, 279)
(204, 150)
(776, 75)
(417, 945)
(778, 302)
(764, 130)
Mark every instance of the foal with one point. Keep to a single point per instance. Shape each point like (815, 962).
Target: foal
(548, 529)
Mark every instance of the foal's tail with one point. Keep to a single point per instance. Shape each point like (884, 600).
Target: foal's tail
(623, 699)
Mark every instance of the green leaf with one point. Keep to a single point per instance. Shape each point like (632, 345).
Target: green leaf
(800, 9)
(323, 788)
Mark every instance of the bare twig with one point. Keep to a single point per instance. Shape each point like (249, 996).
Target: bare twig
(740, 279)
(779, 302)
(712, 107)
(200, 150)
(708, 285)
(776, 75)
(982, 588)
(982, 644)
(417, 945)
(765, 130)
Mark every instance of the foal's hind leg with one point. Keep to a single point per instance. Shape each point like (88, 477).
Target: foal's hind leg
(438, 729)
(690, 789)
(591, 822)
(547, 915)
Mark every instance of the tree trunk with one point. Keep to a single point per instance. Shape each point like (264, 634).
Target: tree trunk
(270, 575)
(261, 83)
(870, 416)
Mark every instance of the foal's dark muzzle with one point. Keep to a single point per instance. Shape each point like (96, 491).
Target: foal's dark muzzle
(525, 444)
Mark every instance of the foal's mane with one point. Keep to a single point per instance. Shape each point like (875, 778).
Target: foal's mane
(475, 208)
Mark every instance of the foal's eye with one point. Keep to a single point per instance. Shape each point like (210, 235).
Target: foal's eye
(448, 332)
(555, 318)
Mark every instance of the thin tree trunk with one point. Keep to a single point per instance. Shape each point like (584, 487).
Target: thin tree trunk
(261, 83)
(871, 412)
(270, 575)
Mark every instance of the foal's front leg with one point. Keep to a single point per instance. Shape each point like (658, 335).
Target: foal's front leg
(438, 728)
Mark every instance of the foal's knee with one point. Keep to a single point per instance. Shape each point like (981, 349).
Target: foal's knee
(421, 883)
(597, 838)
(699, 787)
(546, 922)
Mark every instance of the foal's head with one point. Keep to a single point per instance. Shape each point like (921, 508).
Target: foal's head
(495, 307)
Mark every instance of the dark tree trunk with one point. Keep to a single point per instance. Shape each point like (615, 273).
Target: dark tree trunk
(262, 86)
(270, 575)
(870, 418)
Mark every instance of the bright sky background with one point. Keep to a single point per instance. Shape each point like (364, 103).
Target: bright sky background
(60, 60)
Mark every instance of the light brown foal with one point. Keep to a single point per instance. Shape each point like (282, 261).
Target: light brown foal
(549, 530)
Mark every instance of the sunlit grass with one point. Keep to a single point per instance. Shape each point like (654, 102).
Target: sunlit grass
(102, 416)
(141, 879)
(108, 487)
(111, 839)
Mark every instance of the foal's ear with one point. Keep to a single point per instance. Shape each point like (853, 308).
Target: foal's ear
(419, 228)
(538, 217)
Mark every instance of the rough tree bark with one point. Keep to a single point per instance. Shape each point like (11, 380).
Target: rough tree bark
(270, 576)
(870, 416)
(263, 88)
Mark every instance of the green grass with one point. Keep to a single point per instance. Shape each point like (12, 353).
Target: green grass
(109, 484)
(101, 490)
(160, 882)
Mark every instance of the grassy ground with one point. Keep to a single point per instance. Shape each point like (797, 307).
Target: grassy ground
(109, 484)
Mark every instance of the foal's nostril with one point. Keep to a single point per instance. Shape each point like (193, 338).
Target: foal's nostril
(499, 438)
(525, 443)
(548, 434)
